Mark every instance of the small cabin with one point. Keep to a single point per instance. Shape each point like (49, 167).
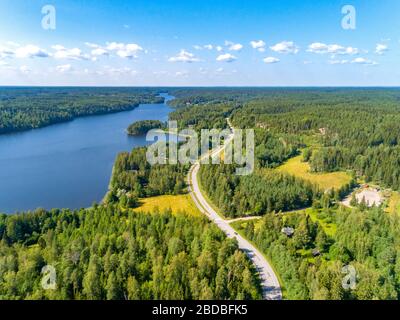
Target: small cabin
(315, 252)
(288, 231)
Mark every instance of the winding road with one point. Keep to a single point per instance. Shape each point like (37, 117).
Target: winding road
(269, 281)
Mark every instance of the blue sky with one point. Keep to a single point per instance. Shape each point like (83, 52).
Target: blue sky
(200, 43)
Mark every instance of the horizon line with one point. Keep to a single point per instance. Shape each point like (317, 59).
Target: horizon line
(189, 86)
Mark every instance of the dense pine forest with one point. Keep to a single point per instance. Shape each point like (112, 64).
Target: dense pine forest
(142, 127)
(310, 262)
(256, 194)
(358, 129)
(107, 253)
(133, 177)
(29, 108)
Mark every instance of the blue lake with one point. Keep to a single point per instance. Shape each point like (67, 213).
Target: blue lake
(67, 165)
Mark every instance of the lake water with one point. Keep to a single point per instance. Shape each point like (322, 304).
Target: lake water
(67, 165)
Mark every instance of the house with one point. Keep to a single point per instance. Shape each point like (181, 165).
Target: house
(315, 252)
(288, 231)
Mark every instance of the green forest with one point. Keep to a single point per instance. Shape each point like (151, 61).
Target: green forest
(353, 130)
(358, 129)
(107, 253)
(367, 240)
(142, 127)
(24, 108)
(255, 194)
(133, 177)
(111, 252)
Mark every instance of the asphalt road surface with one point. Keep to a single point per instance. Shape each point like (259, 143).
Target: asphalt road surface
(269, 281)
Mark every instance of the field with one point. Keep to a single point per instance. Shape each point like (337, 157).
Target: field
(176, 204)
(324, 220)
(319, 216)
(325, 181)
(394, 203)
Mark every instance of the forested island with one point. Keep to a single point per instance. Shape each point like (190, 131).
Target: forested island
(24, 108)
(142, 127)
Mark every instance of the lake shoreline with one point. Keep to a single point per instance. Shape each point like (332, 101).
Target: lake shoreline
(68, 165)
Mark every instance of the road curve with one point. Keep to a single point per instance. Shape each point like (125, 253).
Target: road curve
(269, 281)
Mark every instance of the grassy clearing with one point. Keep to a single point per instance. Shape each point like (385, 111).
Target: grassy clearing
(318, 215)
(325, 181)
(324, 221)
(176, 203)
(394, 203)
(306, 254)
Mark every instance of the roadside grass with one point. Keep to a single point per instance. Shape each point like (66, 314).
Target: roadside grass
(394, 203)
(325, 181)
(175, 203)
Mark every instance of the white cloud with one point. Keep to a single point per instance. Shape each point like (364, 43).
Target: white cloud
(203, 70)
(285, 47)
(114, 46)
(318, 47)
(227, 57)
(112, 71)
(270, 60)
(181, 74)
(206, 46)
(233, 46)
(236, 47)
(129, 50)
(124, 50)
(69, 54)
(25, 69)
(64, 68)
(184, 56)
(92, 45)
(381, 48)
(6, 52)
(58, 47)
(160, 73)
(350, 51)
(258, 45)
(334, 49)
(219, 48)
(338, 61)
(31, 51)
(358, 60)
(99, 52)
(15, 44)
(364, 61)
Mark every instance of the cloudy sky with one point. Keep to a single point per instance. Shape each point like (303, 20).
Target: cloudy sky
(200, 43)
